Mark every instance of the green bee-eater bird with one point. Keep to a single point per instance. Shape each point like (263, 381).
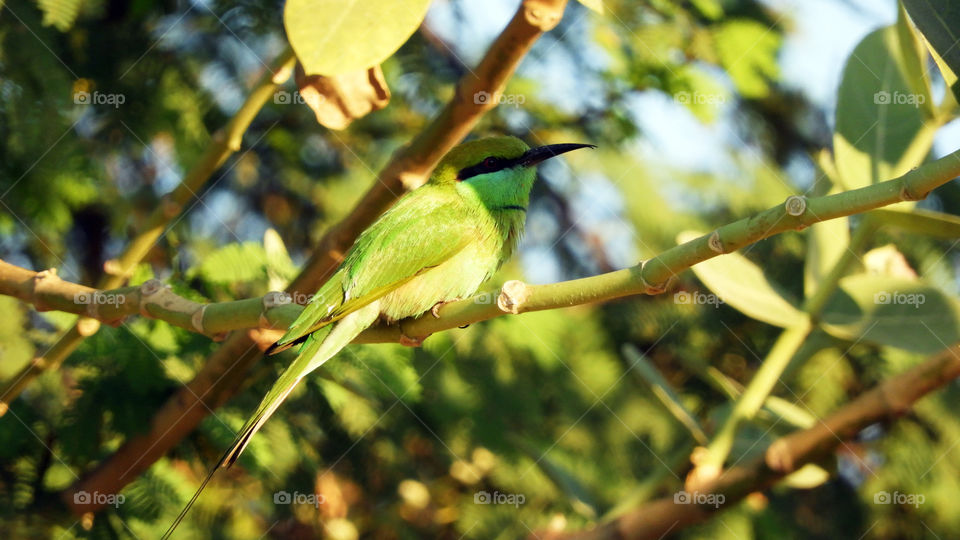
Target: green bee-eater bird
(438, 243)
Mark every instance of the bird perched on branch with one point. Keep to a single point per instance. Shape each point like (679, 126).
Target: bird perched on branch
(437, 244)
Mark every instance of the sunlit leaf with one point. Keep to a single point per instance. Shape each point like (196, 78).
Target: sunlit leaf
(807, 477)
(737, 281)
(939, 20)
(921, 221)
(332, 37)
(881, 130)
(748, 51)
(60, 13)
(233, 263)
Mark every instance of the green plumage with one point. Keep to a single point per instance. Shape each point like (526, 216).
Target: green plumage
(437, 243)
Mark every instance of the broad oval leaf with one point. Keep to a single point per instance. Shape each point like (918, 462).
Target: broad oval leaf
(332, 37)
(880, 130)
(939, 20)
(738, 282)
(907, 314)
(930, 222)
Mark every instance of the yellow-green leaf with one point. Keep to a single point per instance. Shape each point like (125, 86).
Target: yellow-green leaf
(742, 284)
(332, 37)
(881, 130)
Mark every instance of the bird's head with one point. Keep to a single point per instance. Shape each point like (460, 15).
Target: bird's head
(498, 170)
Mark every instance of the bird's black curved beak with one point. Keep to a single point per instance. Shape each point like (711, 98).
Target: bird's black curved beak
(539, 154)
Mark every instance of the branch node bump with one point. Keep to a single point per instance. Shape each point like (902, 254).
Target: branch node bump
(795, 205)
(659, 288)
(40, 280)
(513, 295)
(197, 319)
(908, 194)
(777, 457)
(148, 289)
(715, 243)
(111, 267)
(541, 15)
(411, 181)
(281, 75)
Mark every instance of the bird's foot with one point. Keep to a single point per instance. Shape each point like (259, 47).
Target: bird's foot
(435, 310)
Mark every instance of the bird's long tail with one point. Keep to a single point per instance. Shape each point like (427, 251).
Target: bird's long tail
(319, 347)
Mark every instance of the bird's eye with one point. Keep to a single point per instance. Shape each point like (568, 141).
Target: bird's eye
(490, 162)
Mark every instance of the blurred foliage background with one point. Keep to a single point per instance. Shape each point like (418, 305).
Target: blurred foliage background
(555, 406)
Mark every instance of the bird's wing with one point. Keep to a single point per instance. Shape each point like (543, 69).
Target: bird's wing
(418, 233)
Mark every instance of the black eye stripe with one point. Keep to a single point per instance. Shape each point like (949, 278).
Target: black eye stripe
(485, 167)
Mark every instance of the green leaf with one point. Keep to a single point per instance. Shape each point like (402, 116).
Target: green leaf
(880, 130)
(332, 37)
(741, 283)
(280, 268)
(698, 91)
(902, 313)
(710, 9)
(827, 241)
(60, 13)
(233, 263)
(939, 21)
(748, 52)
(936, 224)
(807, 477)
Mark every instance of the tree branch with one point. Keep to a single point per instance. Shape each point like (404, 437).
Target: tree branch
(786, 455)
(225, 370)
(46, 291)
(272, 311)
